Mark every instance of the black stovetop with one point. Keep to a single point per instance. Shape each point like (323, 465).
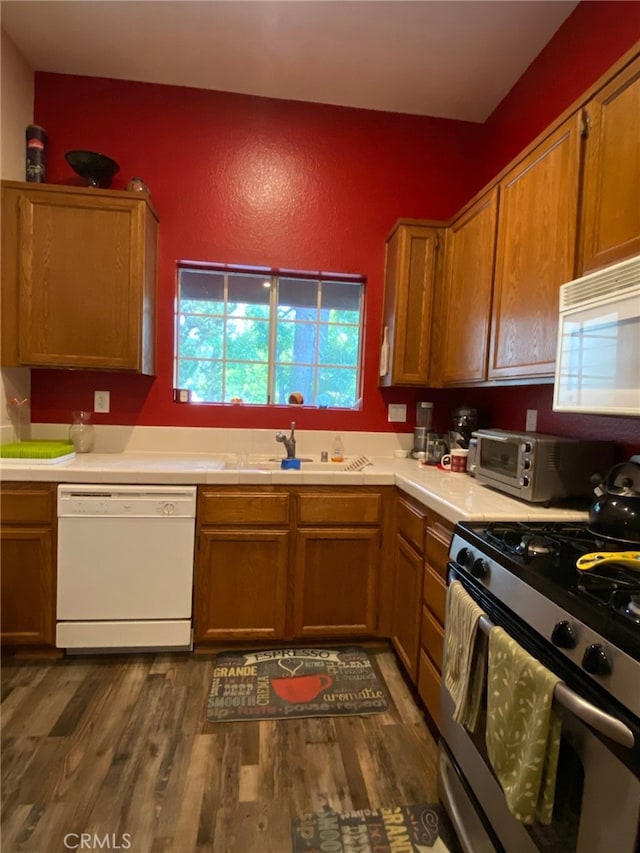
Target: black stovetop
(544, 555)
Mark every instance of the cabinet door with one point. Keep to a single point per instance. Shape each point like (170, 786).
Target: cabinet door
(240, 584)
(85, 278)
(467, 289)
(410, 274)
(611, 194)
(28, 586)
(336, 582)
(537, 229)
(407, 606)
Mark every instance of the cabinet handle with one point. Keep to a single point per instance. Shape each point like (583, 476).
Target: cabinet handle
(586, 124)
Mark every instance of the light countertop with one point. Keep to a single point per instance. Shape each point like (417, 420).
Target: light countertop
(457, 497)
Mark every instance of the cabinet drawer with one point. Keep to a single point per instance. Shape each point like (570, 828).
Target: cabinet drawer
(243, 508)
(432, 638)
(339, 508)
(438, 541)
(429, 687)
(411, 524)
(435, 593)
(27, 504)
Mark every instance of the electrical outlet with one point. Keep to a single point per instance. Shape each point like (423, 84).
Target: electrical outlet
(531, 422)
(397, 413)
(101, 401)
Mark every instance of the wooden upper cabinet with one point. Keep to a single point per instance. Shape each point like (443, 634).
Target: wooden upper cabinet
(536, 251)
(411, 268)
(610, 220)
(467, 289)
(78, 278)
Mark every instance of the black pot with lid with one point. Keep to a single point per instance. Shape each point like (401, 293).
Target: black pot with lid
(615, 512)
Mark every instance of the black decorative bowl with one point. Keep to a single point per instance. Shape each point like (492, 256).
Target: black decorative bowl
(97, 169)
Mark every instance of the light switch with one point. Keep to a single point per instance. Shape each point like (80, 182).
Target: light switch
(397, 413)
(101, 401)
(531, 422)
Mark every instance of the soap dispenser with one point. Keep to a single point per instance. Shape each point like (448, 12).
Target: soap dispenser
(337, 451)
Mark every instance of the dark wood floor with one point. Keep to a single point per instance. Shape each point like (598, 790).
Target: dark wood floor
(115, 745)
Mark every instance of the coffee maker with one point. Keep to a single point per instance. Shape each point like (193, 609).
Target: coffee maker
(465, 422)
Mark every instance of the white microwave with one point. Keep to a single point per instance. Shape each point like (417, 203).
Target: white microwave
(598, 355)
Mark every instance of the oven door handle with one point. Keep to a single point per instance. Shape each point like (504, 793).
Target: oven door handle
(599, 720)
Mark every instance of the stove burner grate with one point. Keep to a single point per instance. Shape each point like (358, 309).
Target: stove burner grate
(552, 541)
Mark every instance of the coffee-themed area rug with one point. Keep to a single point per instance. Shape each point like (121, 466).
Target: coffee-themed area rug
(275, 684)
(422, 828)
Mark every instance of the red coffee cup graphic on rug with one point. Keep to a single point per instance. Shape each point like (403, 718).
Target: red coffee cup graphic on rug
(301, 688)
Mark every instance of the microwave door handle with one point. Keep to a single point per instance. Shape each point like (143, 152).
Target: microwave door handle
(602, 722)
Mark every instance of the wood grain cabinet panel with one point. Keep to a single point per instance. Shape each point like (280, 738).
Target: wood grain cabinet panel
(467, 290)
(243, 506)
(336, 582)
(241, 584)
(411, 271)
(339, 507)
(407, 606)
(28, 564)
(78, 278)
(610, 221)
(429, 687)
(536, 253)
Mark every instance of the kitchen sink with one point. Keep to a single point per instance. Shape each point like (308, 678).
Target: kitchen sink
(257, 463)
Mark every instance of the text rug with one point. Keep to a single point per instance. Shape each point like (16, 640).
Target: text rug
(403, 829)
(276, 684)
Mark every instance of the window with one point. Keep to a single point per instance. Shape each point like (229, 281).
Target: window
(256, 338)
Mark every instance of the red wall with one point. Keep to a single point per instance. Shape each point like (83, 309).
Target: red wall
(247, 180)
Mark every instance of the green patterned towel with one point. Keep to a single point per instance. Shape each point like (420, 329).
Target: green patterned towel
(464, 663)
(523, 730)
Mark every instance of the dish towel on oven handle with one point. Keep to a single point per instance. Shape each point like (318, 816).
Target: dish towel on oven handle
(465, 662)
(523, 728)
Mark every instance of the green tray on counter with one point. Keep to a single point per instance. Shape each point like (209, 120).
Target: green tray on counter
(37, 451)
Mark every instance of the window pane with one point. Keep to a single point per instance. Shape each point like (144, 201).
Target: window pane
(298, 299)
(203, 378)
(296, 342)
(203, 285)
(246, 293)
(342, 297)
(339, 345)
(200, 336)
(248, 340)
(291, 378)
(339, 385)
(247, 381)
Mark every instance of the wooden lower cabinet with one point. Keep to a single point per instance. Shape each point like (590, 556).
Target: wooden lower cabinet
(289, 563)
(336, 582)
(408, 571)
(241, 584)
(28, 564)
(406, 611)
(434, 594)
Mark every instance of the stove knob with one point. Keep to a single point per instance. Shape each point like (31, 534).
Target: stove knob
(595, 660)
(563, 635)
(464, 557)
(480, 568)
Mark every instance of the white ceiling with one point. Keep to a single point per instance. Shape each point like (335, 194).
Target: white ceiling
(447, 58)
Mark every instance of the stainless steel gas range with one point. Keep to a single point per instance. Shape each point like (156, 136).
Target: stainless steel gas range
(584, 626)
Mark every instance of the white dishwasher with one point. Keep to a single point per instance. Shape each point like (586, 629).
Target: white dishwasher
(125, 566)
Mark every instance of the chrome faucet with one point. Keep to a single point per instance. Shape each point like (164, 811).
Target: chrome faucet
(289, 443)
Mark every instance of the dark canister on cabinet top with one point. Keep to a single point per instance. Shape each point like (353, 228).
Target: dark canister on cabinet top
(36, 154)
